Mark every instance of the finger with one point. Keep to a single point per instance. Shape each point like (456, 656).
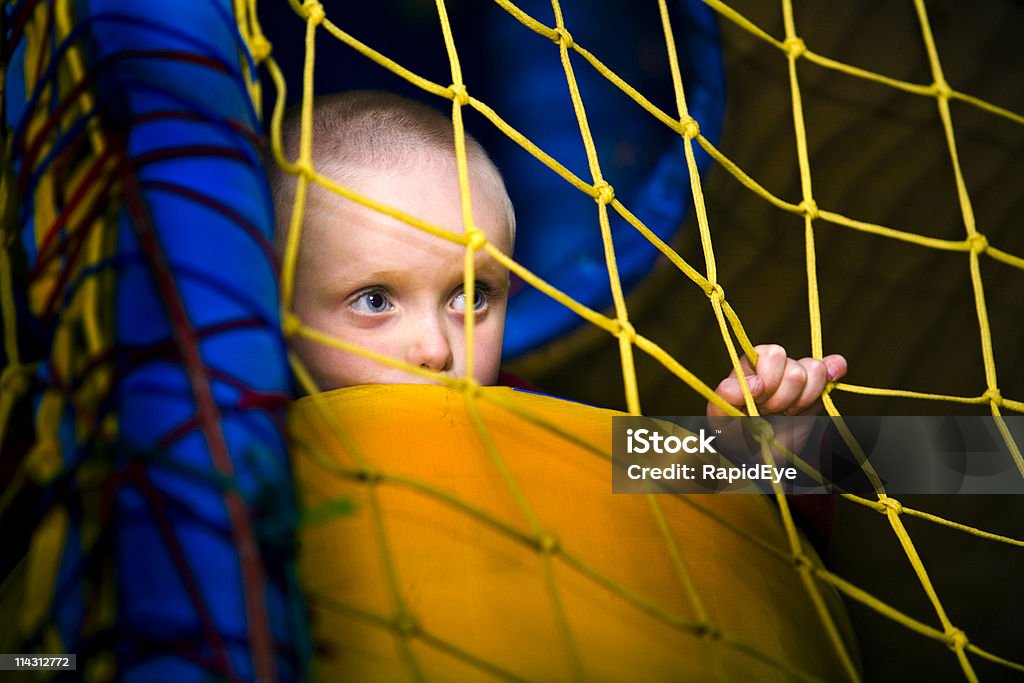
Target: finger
(809, 401)
(836, 366)
(745, 365)
(729, 389)
(771, 366)
(771, 363)
(768, 355)
(791, 385)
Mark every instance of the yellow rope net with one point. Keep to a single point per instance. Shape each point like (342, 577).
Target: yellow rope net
(793, 49)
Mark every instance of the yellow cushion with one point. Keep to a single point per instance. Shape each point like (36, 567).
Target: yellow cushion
(442, 566)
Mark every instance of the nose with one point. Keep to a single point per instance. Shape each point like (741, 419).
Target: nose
(430, 347)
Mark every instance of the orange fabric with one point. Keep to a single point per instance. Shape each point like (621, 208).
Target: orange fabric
(465, 586)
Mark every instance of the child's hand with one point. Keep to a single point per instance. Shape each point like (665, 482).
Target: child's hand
(781, 384)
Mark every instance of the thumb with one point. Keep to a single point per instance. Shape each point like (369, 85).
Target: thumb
(730, 389)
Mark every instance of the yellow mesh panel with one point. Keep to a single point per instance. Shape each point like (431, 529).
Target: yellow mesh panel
(415, 647)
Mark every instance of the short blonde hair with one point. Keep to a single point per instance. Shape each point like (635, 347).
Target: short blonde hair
(362, 131)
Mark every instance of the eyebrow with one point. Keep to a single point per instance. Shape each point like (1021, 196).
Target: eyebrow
(490, 268)
(343, 281)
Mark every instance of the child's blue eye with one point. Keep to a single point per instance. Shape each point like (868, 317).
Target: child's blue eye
(372, 302)
(479, 300)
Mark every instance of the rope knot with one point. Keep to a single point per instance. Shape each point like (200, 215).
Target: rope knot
(313, 11)
(562, 37)
(715, 292)
(810, 208)
(305, 169)
(942, 89)
(459, 93)
(626, 330)
(760, 429)
(368, 475)
(956, 639)
(290, 325)
(709, 631)
(977, 243)
(14, 379)
(475, 239)
(260, 48)
(547, 542)
(405, 623)
(466, 385)
(795, 47)
(994, 396)
(691, 128)
(605, 192)
(801, 561)
(890, 504)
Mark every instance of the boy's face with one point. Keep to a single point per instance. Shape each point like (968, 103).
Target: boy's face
(389, 287)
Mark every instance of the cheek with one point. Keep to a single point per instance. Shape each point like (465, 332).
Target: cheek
(487, 358)
(334, 368)
(315, 358)
(322, 362)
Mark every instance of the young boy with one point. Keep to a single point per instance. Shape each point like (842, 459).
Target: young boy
(375, 281)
